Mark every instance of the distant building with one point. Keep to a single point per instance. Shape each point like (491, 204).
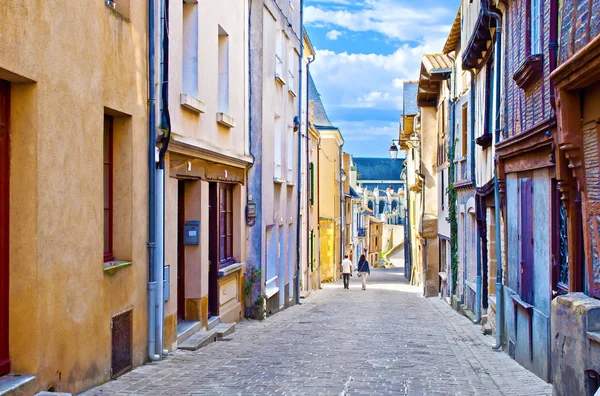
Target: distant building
(377, 181)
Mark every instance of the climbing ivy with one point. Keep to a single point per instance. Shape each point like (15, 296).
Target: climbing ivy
(452, 195)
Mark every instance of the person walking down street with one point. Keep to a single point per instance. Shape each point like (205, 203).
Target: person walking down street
(363, 270)
(346, 271)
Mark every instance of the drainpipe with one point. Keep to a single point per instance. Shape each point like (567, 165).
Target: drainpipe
(497, 59)
(299, 187)
(308, 174)
(553, 48)
(151, 184)
(478, 285)
(451, 167)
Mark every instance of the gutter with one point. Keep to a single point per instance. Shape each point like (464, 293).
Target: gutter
(497, 204)
(152, 356)
(479, 281)
(299, 178)
(308, 174)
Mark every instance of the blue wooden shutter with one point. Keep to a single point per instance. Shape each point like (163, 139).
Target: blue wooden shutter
(526, 288)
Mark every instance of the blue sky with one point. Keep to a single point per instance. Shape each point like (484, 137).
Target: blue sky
(365, 49)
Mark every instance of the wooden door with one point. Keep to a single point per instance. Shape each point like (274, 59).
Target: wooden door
(4, 225)
(526, 286)
(213, 249)
(180, 251)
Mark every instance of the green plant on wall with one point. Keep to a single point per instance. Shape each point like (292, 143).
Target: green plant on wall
(452, 218)
(253, 277)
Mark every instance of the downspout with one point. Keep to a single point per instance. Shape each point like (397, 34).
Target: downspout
(553, 48)
(497, 205)
(299, 187)
(152, 356)
(451, 166)
(160, 182)
(478, 284)
(342, 204)
(474, 183)
(308, 174)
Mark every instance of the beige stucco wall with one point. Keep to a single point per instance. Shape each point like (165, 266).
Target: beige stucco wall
(199, 141)
(60, 297)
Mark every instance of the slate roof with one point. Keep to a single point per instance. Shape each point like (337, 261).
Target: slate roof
(377, 168)
(320, 118)
(409, 98)
(353, 193)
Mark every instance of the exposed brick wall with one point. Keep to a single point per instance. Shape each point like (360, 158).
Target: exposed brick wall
(580, 23)
(525, 108)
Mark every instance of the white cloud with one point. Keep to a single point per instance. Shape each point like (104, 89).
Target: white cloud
(333, 34)
(373, 81)
(392, 18)
(367, 130)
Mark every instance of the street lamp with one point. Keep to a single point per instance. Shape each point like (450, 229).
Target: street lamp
(393, 151)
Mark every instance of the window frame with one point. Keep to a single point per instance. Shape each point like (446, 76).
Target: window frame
(108, 182)
(225, 227)
(535, 26)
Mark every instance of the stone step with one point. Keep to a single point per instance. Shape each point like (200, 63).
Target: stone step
(213, 321)
(224, 329)
(198, 340)
(186, 329)
(46, 393)
(17, 385)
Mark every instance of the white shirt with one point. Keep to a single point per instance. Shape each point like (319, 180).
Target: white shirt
(346, 265)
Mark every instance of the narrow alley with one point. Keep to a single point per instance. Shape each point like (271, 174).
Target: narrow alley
(385, 340)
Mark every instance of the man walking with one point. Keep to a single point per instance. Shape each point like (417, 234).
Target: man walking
(346, 271)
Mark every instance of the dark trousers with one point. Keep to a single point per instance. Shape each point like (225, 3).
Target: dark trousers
(346, 280)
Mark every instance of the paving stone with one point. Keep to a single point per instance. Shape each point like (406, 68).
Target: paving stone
(388, 340)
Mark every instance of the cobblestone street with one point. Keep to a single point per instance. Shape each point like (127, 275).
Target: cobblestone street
(385, 340)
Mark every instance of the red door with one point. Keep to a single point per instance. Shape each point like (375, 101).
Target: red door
(4, 227)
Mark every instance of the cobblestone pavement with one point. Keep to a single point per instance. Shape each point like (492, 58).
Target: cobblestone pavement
(385, 340)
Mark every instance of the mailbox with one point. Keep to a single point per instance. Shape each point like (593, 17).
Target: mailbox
(191, 233)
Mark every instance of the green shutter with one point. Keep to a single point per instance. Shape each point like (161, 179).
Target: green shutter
(312, 183)
(312, 249)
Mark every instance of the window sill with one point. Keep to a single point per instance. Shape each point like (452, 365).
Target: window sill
(291, 184)
(278, 180)
(292, 93)
(113, 10)
(230, 269)
(279, 79)
(112, 267)
(225, 120)
(594, 336)
(192, 104)
(530, 71)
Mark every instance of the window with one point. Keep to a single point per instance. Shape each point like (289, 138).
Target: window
(223, 71)
(535, 20)
(277, 148)
(443, 192)
(292, 67)
(107, 154)
(290, 155)
(279, 56)
(190, 49)
(442, 133)
(526, 281)
(464, 138)
(226, 224)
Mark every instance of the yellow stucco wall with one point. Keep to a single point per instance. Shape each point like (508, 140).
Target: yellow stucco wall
(329, 269)
(61, 301)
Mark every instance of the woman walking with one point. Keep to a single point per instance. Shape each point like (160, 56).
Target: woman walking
(363, 270)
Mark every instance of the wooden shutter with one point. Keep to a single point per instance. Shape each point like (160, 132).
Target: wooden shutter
(312, 183)
(526, 288)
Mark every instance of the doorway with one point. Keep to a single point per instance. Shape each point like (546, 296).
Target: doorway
(180, 251)
(213, 249)
(4, 225)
